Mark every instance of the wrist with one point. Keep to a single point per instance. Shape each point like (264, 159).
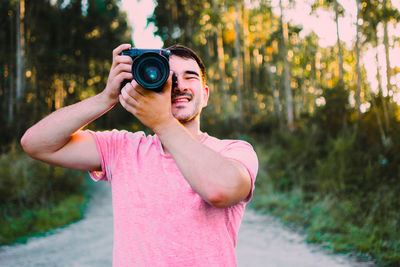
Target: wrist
(107, 99)
(168, 126)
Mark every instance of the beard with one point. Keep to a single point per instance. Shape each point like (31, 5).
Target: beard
(185, 114)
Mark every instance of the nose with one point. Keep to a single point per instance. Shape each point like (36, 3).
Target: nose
(174, 81)
(177, 84)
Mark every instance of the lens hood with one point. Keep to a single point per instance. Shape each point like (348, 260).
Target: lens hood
(150, 67)
(151, 70)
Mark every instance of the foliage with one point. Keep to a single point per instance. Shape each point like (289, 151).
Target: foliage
(66, 55)
(35, 196)
(336, 171)
(40, 219)
(342, 189)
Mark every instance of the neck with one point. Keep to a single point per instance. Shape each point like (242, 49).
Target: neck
(193, 127)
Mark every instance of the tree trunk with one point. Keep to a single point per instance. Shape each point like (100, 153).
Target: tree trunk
(338, 42)
(380, 89)
(275, 92)
(11, 99)
(246, 51)
(286, 71)
(10, 115)
(386, 44)
(358, 72)
(239, 77)
(221, 65)
(379, 121)
(20, 53)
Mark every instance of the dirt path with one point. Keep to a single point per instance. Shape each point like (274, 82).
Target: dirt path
(262, 242)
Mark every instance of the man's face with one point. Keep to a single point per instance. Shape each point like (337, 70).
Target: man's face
(191, 95)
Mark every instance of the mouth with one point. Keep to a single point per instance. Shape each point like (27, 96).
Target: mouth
(181, 98)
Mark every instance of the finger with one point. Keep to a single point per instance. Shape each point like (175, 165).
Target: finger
(117, 51)
(139, 90)
(118, 74)
(120, 48)
(120, 68)
(134, 90)
(126, 106)
(128, 95)
(123, 59)
(121, 77)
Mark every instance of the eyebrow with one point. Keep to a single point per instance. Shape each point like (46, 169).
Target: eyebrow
(192, 72)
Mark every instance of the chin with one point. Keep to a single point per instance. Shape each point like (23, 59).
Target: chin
(185, 118)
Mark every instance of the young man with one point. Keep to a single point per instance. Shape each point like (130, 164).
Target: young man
(178, 195)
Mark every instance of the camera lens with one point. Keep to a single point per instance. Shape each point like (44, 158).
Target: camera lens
(150, 73)
(151, 70)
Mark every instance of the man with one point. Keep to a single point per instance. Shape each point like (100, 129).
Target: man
(178, 195)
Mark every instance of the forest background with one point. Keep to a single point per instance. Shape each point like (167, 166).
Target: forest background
(327, 137)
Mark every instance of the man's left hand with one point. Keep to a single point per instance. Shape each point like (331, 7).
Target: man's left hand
(153, 109)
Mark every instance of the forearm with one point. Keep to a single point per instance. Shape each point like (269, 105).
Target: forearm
(218, 180)
(54, 131)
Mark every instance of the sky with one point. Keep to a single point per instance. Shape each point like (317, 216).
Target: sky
(322, 23)
(138, 12)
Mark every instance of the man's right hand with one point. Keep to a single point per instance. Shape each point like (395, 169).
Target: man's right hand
(120, 71)
(57, 140)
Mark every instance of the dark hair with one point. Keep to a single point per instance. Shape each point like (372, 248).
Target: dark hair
(186, 52)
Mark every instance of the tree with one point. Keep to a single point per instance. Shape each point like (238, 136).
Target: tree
(286, 69)
(239, 84)
(55, 55)
(339, 11)
(370, 13)
(20, 53)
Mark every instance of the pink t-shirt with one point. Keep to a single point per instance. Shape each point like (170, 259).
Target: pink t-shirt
(159, 220)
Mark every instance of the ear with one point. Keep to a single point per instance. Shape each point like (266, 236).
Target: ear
(206, 94)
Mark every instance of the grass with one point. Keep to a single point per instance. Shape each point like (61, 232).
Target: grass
(39, 220)
(36, 197)
(337, 222)
(316, 222)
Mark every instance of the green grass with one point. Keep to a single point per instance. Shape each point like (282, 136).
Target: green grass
(38, 220)
(339, 222)
(36, 197)
(316, 221)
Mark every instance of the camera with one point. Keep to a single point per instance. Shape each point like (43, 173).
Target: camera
(150, 68)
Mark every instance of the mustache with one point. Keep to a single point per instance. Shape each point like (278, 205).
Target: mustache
(185, 94)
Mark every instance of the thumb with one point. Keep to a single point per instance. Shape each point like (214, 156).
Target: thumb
(168, 84)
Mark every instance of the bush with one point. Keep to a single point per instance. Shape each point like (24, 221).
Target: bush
(343, 188)
(35, 196)
(27, 182)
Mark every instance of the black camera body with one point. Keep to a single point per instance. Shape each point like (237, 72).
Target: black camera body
(150, 67)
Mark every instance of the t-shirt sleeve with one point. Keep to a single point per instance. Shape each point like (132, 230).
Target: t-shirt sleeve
(244, 153)
(110, 145)
(106, 143)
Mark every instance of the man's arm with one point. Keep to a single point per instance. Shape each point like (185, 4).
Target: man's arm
(56, 139)
(220, 181)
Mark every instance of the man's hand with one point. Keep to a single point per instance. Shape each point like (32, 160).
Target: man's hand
(153, 109)
(120, 71)
(57, 140)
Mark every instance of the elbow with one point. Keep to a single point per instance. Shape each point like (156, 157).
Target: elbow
(219, 200)
(231, 194)
(26, 145)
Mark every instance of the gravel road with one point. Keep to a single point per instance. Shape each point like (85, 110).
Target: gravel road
(262, 242)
